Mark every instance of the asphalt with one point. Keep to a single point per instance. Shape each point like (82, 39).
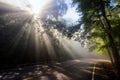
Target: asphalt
(68, 70)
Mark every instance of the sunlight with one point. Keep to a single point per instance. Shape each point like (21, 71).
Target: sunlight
(36, 5)
(43, 39)
(33, 6)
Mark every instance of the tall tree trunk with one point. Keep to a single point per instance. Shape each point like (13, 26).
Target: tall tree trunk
(110, 55)
(115, 51)
(108, 30)
(105, 40)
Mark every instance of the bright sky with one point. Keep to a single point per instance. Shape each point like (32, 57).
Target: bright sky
(71, 15)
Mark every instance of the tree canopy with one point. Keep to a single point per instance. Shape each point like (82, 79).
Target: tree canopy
(100, 25)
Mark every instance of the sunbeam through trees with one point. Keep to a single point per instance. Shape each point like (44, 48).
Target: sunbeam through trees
(37, 41)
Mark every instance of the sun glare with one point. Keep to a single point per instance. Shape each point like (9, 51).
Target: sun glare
(36, 5)
(33, 6)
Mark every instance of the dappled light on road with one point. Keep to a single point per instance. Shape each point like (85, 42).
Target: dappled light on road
(34, 72)
(68, 70)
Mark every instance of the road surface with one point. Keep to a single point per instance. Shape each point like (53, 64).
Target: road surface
(68, 70)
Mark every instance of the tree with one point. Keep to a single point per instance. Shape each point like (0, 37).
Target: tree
(53, 24)
(96, 15)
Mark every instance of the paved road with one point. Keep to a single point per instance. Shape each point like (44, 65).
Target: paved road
(88, 69)
(69, 70)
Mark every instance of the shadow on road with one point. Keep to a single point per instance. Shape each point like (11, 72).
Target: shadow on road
(69, 70)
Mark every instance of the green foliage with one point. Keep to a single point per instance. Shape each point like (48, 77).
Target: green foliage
(101, 20)
(93, 12)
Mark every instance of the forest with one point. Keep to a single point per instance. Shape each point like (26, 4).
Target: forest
(28, 38)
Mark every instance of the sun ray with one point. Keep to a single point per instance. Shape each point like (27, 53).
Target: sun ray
(36, 6)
